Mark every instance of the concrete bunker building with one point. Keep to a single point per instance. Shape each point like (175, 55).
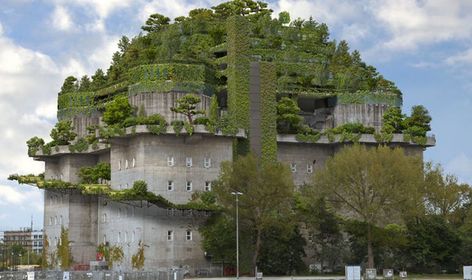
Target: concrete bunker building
(175, 163)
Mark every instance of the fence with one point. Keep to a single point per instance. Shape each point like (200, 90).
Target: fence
(91, 275)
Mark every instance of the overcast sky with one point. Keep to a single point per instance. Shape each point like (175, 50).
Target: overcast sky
(424, 46)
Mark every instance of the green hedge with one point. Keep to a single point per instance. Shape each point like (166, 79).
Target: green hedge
(169, 71)
(75, 99)
(369, 97)
(168, 86)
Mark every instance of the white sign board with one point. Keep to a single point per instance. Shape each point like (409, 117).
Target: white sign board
(66, 275)
(353, 272)
(403, 274)
(30, 275)
(388, 273)
(370, 273)
(467, 272)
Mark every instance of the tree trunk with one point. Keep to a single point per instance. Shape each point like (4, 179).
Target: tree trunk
(257, 249)
(370, 251)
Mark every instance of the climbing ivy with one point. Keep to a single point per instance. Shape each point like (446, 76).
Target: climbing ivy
(63, 250)
(268, 112)
(238, 71)
(137, 260)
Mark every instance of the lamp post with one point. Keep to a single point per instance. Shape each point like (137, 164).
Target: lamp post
(237, 194)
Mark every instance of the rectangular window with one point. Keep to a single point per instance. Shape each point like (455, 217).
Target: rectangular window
(207, 162)
(170, 161)
(126, 164)
(189, 186)
(188, 162)
(309, 168)
(170, 235)
(170, 185)
(119, 165)
(293, 167)
(207, 186)
(188, 235)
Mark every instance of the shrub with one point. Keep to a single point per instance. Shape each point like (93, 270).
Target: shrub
(117, 111)
(34, 144)
(62, 133)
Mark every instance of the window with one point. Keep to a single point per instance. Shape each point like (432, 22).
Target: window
(134, 163)
(189, 186)
(119, 212)
(293, 167)
(170, 185)
(207, 162)
(104, 218)
(207, 186)
(118, 238)
(188, 162)
(170, 235)
(170, 161)
(309, 168)
(126, 164)
(133, 236)
(55, 220)
(104, 239)
(126, 237)
(119, 165)
(50, 221)
(60, 220)
(188, 235)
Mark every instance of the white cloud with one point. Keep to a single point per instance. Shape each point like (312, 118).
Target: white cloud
(414, 23)
(173, 9)
(464, 57)
(61, 19)
(461, 166)
(21, 196)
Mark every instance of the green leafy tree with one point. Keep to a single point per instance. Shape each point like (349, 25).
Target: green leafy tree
(444, 196)
(219, 238)
(99, 80)
(187, 106)
(117, 111)
(155, 23)
(393, 120)
(418, 123)
(62, 133)
(63, 249)
(288, 120)
(266, 201)
(433, 244)
(373, 185)
(92, 175)
(242, 8)
(85, 83)
(69, 85)
(34, 144)
(324, 229)
(284, 17)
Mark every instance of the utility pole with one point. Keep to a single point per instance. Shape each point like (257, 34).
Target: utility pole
(237, 194)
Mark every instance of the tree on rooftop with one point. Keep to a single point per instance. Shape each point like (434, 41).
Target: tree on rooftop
(155, 22)
(69, 85)
(117, 111)
(98, 79)
(418, 123)
(187, 106)
(288, 120)
(62, 133)
(393, 120)
(373, 185)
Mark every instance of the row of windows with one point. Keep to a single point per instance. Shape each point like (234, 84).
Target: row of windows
(309, 167)
(170, 162)
(188, 186)
(188, 235)
(55, 221)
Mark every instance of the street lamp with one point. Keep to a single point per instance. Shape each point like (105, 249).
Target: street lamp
(237, 194)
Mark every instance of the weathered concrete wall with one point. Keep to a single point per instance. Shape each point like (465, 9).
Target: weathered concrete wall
(81, 122)
(303, 159)
(129, 225)
(151, 153)
(160, 103)
(367, 114)
(56, 215)
(66, 167)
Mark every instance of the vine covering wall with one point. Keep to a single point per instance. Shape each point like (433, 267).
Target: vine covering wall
(238, 71)
(268, 111)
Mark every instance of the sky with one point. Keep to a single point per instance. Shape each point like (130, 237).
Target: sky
(424, 46)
